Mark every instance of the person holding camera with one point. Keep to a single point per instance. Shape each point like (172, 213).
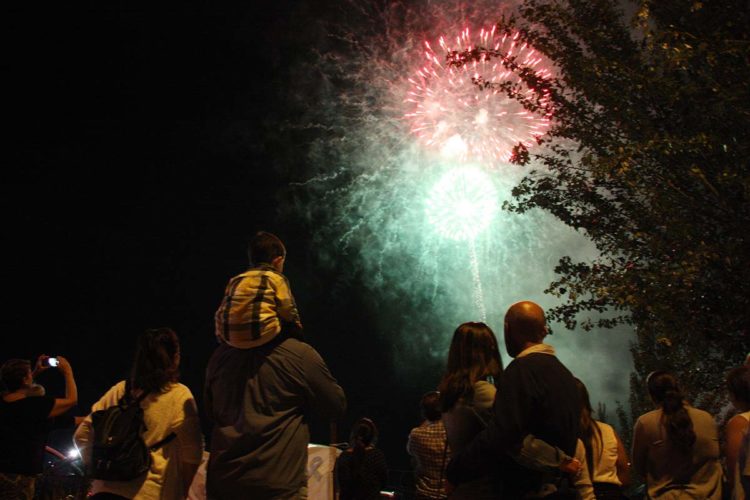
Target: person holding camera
(25, 418)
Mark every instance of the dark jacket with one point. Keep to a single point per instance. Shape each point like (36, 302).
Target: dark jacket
(536, 395)
(258, 401)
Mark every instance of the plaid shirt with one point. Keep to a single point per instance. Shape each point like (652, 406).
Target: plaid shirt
(427, 445)
(254, 306)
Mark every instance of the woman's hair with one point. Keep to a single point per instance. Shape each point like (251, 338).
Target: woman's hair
(473, 356)
(738, 383)
(364, 433)
(154, 367)
(14, 373)
(666, 392)
(589, 431)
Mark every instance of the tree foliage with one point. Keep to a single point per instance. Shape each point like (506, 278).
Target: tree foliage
(648, 156)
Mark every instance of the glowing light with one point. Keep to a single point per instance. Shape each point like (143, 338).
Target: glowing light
(462, 203)
(447, 108)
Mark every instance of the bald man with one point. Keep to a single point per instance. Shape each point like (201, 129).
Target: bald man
(536, 395)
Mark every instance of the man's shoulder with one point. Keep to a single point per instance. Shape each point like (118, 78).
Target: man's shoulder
(428, 429)
(536, 361)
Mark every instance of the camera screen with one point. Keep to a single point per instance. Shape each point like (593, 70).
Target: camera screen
(53, 361)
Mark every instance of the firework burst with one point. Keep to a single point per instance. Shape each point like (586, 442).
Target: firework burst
(461, 111)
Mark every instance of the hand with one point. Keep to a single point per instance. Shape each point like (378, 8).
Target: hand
(571, 466)
(64, 366)
(41, 365)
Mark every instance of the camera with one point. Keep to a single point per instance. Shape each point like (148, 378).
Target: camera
(53, 362)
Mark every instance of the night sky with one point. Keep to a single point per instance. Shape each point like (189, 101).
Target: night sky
(142, 155)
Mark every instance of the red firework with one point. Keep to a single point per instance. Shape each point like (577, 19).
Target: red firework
(449, 111)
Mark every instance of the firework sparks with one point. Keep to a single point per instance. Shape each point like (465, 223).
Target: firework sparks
(462, 204)
(465, 121)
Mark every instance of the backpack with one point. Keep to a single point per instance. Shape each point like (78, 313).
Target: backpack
(119, 452)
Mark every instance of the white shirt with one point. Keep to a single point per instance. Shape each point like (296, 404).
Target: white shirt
(163, 413)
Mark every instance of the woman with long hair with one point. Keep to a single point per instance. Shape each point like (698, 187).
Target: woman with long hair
(361, 470)
(676, 446)
(736, 432)
(172, 432)
(606, 458)
(467, 394)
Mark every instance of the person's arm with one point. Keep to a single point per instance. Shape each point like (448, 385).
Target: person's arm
(325, 394)
(539, 455)
(83, 434)
(582, 480)
(623, 463)
(189, 440)
(504, 434)
(735, 432)
(82, 439)
(639, 452)
(71, 390)
(287, 307)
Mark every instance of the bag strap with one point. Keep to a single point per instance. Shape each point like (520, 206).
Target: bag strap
(161, 443)
(138, 400)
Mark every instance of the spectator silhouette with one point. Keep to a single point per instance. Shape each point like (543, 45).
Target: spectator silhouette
(428, 447)
(606, 458)
(536, 398)
(676, 446)
(361, 470)
(26, 414)
(171, 418)
(259, 401)
(737, 435)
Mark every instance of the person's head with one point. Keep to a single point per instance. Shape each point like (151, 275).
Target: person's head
(738, 383)
(157, 360)
(473, 356)
(266, 248)
(663, 387)
(364, 433)
(16, 373)
(525, 325)
(666, 393)
(430, 406)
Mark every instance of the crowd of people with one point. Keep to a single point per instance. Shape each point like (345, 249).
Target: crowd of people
(522, 431)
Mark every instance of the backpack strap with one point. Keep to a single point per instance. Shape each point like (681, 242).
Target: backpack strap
(128, 397)
(161, 443)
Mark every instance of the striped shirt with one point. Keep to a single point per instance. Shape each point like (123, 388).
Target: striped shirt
(255, 304)
(427, 445)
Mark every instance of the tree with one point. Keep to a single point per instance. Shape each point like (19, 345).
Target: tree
(648, 156)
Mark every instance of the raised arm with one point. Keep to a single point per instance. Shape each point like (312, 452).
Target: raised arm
(71, 390)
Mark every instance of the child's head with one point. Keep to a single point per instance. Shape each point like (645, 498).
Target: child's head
(266, 248)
